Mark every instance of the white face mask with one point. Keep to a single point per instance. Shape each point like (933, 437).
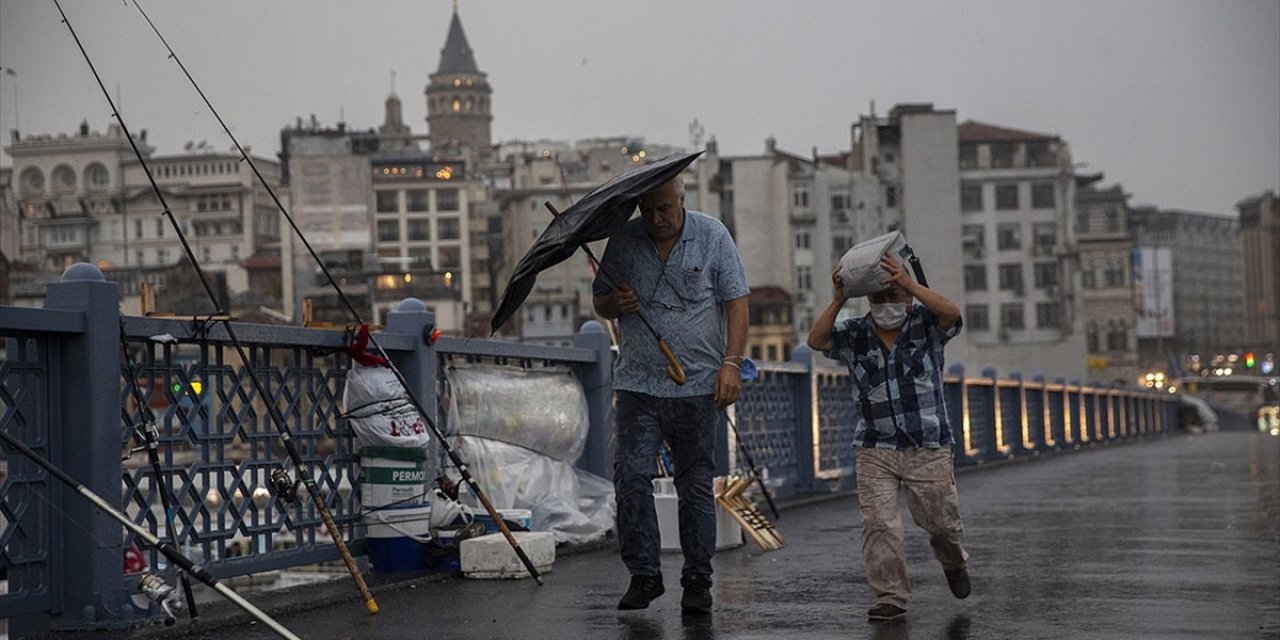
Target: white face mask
(889, 315)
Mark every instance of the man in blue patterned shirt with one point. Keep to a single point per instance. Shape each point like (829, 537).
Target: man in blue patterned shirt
(683, 269)
(895, 360)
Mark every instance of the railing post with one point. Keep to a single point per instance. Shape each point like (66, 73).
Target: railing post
(412, 318)
(964, 437)
(1024, 421)
(87, 547)
(597, 382)
(805, 396)
(1046, 418)
(1067, 436)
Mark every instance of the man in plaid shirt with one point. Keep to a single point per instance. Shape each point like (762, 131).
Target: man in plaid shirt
(895, 360)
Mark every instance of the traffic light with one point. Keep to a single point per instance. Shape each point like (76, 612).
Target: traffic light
(1249, 360)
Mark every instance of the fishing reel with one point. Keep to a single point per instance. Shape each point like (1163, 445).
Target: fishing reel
(163, 594)
(283, 486)
(147, 434)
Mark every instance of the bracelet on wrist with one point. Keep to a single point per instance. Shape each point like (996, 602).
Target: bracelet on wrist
(732, 364)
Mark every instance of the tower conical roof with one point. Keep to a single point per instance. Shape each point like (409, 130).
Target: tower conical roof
(456, 56)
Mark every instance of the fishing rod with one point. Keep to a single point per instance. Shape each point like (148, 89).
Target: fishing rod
(146, 432)
(675, 370)
(282, 428)
(164, 547)
(746, 453)
(462, 467)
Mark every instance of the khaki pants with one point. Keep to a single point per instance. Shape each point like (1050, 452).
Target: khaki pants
(929, 478)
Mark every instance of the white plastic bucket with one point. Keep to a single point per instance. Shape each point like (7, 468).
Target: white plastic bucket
(397, 537)
(390, 476)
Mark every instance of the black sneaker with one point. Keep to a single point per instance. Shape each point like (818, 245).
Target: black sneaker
(886, 611)
(697, 594)
(958, 580)
(643, 590)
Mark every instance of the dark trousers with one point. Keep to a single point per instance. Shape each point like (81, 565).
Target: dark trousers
(689, 427)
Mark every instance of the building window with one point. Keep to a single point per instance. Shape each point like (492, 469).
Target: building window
(891, 196)
(1011, 316)
(450, 259)
(1039, 154)
(1044, 235)
(417, 200)
(64, 178)
(1001, 155)
(968, 156)
(1117, 336)
(419, 229)
(971, 197)
(800, 196)
(96, 176)
(1043, 195)
(138, 258)
(1082, 220)
(976, 317)
(1006, 196)
(802, 239)
(804, 278)
(388, 201)
(1046, 274)
(1047, 315)
(972, 237)
(975, 277)
(419, 257)
(388, 230)
(1009, 236)
(448, 228)
(1113, 274)
(32, 180)
(159, 227)
(1091, 336)
(235, 252)
(137, 229)
(840, 244)
(1087, 278)
(162, 256)
(839, 201)
(1113, 218)
(447, 200)
(1011, 277)
(206, 254)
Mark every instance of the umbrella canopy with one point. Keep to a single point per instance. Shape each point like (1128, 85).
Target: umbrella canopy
(597, 215)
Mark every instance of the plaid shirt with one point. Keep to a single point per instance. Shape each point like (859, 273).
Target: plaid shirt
(898, 391)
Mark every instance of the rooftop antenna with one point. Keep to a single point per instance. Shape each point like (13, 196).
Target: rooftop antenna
(393, 81)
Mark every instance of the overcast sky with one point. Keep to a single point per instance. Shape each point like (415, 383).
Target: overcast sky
(1179, 101)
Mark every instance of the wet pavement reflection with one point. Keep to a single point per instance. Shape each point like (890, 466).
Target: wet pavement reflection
(1174, 538)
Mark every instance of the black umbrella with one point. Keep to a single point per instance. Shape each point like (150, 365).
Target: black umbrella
(595, 217)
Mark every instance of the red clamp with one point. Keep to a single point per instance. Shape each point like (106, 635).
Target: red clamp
(433, 335)
(356, 349)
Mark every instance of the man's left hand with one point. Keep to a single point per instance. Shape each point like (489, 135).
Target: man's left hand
(897, 273)
(728, 386)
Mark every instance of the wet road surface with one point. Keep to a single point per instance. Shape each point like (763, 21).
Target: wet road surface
(1172, 538)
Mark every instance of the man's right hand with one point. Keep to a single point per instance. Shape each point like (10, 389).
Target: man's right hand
(837, 286)
(625, 299)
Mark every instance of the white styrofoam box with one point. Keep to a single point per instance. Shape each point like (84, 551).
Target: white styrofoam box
(665, 502)
(491, 556)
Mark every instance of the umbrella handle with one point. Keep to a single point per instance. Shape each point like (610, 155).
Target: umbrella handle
(675, 370)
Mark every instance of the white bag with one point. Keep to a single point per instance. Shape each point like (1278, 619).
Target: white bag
(380, 411)
(860, 271)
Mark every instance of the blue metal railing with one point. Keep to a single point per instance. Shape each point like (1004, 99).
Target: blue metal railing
(62, 392)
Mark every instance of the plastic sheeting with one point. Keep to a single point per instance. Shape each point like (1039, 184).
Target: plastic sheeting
(520, 433)
(545, 411)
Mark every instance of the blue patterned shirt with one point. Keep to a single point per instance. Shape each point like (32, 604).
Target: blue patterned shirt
(682, 298)
(897, 391)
